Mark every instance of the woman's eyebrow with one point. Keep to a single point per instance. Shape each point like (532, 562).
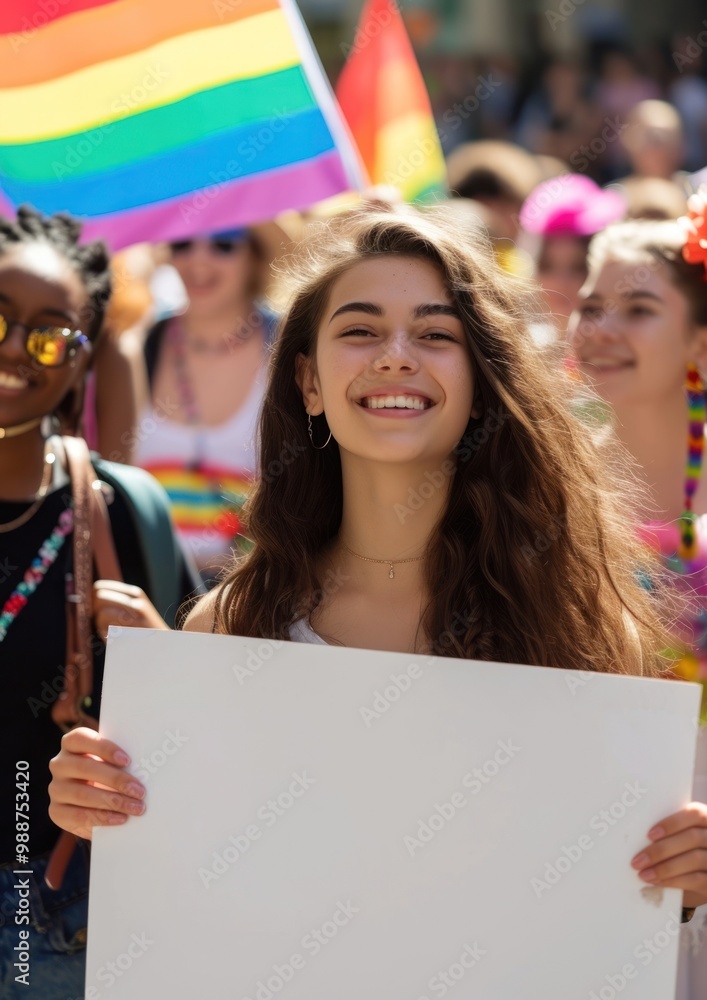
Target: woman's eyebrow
(419, 312)
(365, 307)
(45, 311)
(69, 317)
(638, 294)
(435, 309)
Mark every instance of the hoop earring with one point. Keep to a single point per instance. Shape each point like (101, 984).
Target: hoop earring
(697, 413)
(319, 447)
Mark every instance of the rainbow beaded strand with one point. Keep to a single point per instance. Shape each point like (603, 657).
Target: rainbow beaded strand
(38, 569)
(697, 413)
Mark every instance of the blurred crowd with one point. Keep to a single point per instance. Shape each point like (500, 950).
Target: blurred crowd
(558, 106)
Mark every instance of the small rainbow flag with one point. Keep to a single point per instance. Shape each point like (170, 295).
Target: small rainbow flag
(384, 99)
(159, 119)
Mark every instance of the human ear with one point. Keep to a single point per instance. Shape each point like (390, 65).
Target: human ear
(308, 384)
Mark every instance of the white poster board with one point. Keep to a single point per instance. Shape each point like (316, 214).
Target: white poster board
(327, 823)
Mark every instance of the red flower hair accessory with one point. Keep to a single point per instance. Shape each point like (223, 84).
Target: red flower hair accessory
(694, 226)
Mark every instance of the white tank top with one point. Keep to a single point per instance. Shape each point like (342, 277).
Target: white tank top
(301, 631)
(205, 502)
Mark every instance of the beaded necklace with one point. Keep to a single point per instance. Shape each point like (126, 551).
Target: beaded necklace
(697, 412)
(686, 661)
(45, 558)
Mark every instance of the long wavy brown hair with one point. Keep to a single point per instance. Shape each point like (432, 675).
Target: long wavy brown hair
(534, 559)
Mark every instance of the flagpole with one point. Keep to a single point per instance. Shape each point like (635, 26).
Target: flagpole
(324, 94)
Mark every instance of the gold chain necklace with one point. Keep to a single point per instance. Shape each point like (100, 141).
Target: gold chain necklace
(39, 498)
(389, 562)
(10, 432)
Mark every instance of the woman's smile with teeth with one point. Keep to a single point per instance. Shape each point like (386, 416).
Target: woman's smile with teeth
(395, 402)
(8, 381)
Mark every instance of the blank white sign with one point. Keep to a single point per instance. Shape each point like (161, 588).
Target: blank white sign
(336, 824)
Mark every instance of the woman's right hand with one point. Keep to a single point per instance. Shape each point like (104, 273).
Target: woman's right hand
(90, 785)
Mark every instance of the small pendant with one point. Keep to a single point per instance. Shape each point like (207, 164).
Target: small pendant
(391, 574)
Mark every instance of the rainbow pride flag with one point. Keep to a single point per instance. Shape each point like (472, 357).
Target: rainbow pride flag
(159, 119)
(384, 99)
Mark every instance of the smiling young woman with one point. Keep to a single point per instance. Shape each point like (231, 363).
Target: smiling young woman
(640, 330)
(53, 291)
(468, 516)
(206, 368)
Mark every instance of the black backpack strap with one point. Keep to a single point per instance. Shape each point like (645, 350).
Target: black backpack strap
(165, 562)
(153, 344)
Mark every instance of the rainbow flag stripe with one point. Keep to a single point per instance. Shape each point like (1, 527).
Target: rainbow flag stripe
(384, 100)
(157, 119)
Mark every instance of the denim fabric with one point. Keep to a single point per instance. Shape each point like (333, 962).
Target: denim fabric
(57, 932)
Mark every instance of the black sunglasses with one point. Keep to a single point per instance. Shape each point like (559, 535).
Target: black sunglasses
(221, 247)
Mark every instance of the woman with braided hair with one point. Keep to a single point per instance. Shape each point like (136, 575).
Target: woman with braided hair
(53, 293)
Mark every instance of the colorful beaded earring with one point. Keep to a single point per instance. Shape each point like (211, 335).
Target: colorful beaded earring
(697, 413)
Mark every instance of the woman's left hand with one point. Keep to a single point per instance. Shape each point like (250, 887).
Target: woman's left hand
(677, 856)
(116, 603)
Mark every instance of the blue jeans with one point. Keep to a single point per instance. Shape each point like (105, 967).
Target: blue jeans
(53, 952)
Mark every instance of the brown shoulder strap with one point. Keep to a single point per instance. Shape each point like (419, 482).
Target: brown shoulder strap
(92, 541)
